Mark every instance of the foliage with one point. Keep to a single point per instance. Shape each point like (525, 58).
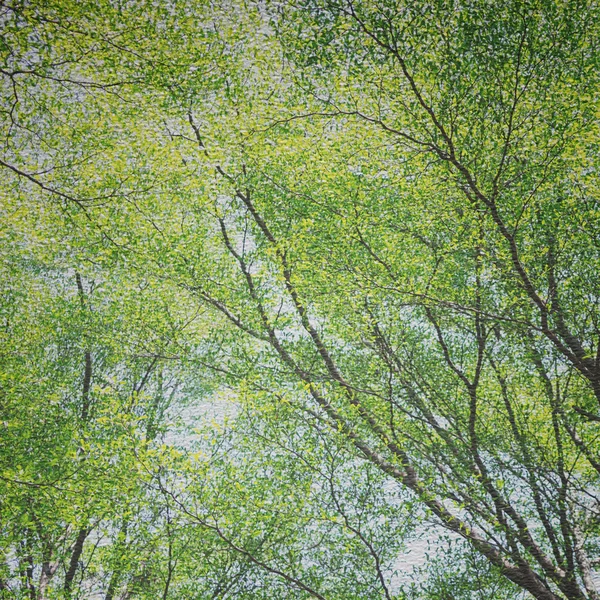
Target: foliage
(369, 229)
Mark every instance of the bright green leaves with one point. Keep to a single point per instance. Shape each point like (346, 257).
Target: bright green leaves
(367, 230)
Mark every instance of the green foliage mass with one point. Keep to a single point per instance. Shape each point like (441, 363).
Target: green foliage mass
(289, 288)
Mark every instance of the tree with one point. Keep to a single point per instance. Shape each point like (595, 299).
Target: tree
(391, 212)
